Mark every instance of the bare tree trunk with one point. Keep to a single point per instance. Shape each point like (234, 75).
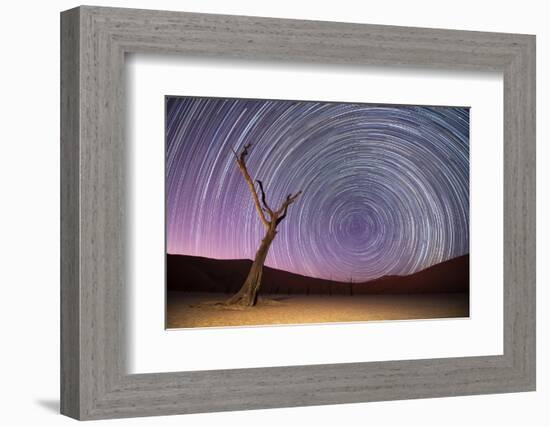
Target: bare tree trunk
(248, 294)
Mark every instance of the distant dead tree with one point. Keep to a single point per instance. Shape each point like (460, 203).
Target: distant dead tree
(247, 295)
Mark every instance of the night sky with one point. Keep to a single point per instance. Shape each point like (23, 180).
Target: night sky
(385, 188)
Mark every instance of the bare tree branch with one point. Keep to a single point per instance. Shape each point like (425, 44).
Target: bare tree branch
(281, 212)
(266, 206)
(241, 162)
(244, 152)
(288, 201)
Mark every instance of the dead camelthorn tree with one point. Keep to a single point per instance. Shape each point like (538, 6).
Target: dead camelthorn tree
(247, 295)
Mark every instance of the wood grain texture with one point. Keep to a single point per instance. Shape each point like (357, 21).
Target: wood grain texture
(94, 231)
(70, 258)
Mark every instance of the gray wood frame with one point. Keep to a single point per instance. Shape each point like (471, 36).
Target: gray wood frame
(94, 383)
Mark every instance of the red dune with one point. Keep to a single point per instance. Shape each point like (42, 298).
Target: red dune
(198, 274)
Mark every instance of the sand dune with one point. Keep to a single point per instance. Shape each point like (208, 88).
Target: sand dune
(198, 274)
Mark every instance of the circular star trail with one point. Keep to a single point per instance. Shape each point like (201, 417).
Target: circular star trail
(385, 188)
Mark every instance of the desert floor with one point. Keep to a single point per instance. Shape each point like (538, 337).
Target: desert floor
(183, 312)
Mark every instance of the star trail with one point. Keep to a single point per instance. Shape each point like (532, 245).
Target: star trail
(385, 187)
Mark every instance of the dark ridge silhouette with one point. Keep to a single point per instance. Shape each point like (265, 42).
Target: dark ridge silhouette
(198, 274)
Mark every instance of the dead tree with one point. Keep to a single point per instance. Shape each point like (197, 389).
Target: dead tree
(248, 294)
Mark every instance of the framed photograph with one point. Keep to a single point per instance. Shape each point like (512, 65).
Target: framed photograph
(336, 212)
(378, 230)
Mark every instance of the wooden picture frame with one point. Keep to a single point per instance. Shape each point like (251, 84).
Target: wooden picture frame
(94, 382)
